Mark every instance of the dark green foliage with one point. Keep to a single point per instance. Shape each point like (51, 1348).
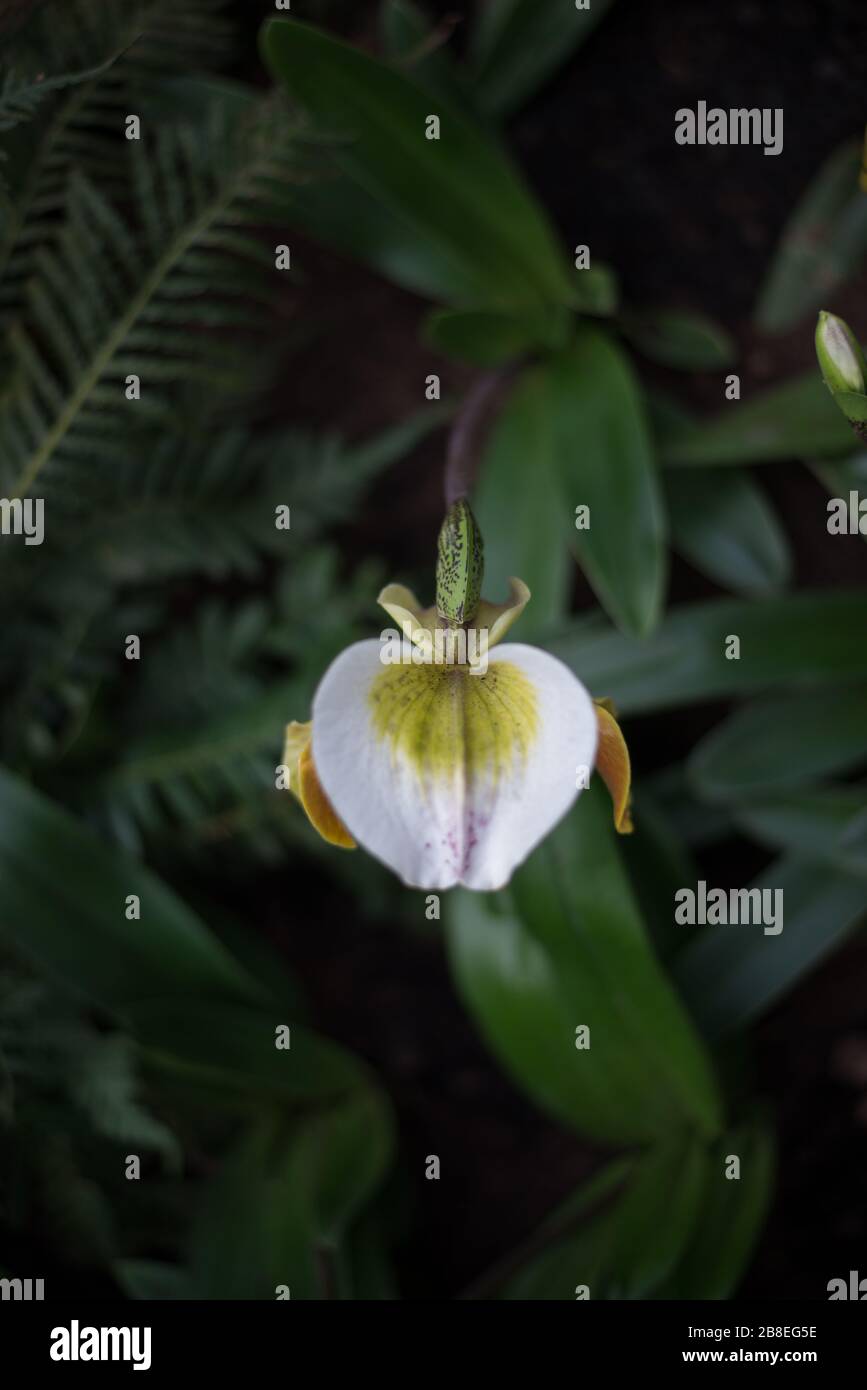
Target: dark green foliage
(152, 258)
(135, 1020)
(78, 69)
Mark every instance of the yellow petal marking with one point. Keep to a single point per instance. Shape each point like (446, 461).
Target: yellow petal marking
(446, 722)
(612, 763)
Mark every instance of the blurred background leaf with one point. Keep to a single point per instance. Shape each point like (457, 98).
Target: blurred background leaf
(822, 245)
(520, 508)
(680, 338)
(625, 1247)
(731, 1216)
(827, 823)
(730, 976)
(417, 46)
(795, 420)
(779, 744)
(605, 461)
(74, 923)
(518, 44)
(723, 524)
(469, 200)
(487, 339)
(806, 640)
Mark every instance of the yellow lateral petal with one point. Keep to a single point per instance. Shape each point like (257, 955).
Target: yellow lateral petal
(612, 763)
(320, 812)
(497, 618)
(295, 740)
(415, 622)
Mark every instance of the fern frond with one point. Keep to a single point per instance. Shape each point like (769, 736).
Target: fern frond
(52, 1047)
(189, 773)
(204, 503)
(22, 94)
(192, 187)
(201, 668)
(107, 55)
(102, 1080)
(202, 735)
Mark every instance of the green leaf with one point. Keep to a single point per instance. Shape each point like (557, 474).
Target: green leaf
(545, 1269)
(693, 823)
(625, 1250)
(329, 206)
(419, 50)
(852, 403)
(565, 947)
(822, 244)
(227, 1053)
(730, 1218)
(680, 338)
(343, 215)
(842, 477)
(779, 744)
(62, 904)
(519, 507)
(152, 1280)
(786, 422)
(488, 339)
(658, 863)
(459, 193)
(595, 290)
(730, 975)
(806, 640)
(723, 524)
(517, 45)
(825, 823)
(604, 460)
(654, 1220)
(278, 1209)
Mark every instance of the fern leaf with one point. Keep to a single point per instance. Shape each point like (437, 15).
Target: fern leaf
(90, 62)
(107, 325)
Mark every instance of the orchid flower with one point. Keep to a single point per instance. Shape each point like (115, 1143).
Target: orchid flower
(444, 758)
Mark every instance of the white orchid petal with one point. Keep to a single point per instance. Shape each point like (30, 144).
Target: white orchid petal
(450, 777)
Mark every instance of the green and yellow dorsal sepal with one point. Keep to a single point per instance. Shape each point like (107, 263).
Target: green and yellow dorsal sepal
(460, 565)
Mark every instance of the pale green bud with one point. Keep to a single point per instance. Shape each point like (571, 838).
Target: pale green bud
(840, 356)
(460, 565)
(844, 369)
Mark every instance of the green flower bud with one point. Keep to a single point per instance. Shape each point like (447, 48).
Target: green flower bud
(460, 565)
(840, 356)
(844, 369)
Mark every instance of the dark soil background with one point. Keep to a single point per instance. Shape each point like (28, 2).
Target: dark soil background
(692, 227)
(688, 227)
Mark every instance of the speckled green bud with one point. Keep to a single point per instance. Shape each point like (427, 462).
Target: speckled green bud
(460, 565)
